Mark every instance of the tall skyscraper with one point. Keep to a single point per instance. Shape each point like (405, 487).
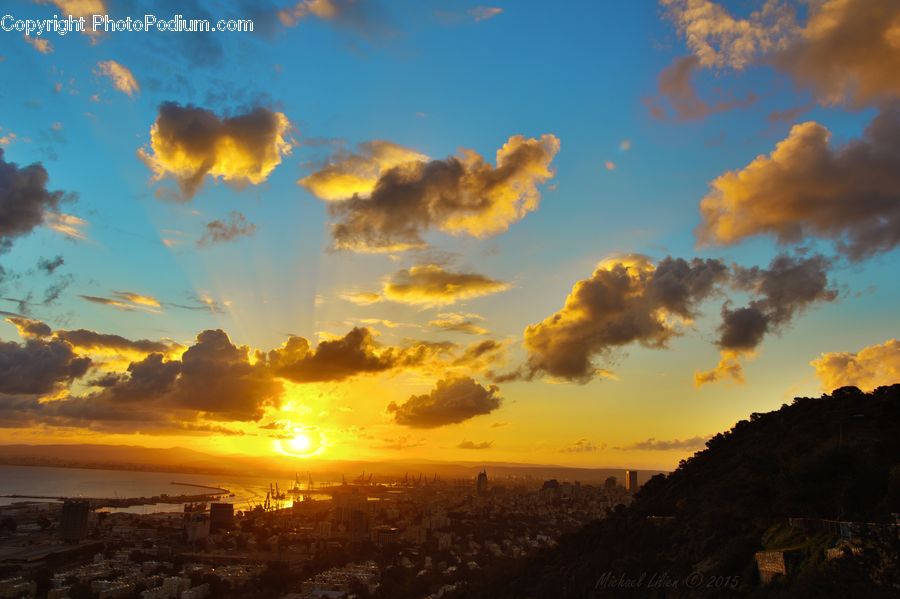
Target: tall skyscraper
(221, 516)
(481, 483)
(631, 484)
(351, 513)
(73, 520)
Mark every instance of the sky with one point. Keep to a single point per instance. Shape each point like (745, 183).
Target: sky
(592, 234)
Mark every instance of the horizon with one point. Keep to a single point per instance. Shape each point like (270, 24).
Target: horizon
(384, 231)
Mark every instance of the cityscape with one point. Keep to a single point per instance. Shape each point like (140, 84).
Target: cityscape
(449, 299)
(304, 542)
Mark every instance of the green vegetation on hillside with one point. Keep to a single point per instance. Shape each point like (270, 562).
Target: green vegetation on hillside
(835, 458)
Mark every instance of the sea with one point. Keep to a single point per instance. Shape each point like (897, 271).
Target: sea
(33, 483)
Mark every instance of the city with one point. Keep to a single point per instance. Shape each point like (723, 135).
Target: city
(406, 534)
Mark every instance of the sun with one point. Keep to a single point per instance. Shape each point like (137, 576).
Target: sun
(301, 444)
(305, 442)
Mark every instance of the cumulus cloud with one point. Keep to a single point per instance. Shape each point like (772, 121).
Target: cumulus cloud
(718, 39)
(808, 187)
(848, 52)
(349, 174)
(457, 322)
(451, 401)
(187, 143)
(652, 444)
(458, 195)
(474, 445)
(356, 353)
(39, 366)
(214, 378)
(786, 288)
(431, 285)
(868, 368)
(219, 231)
(25, 201)
(121, 77)
(28, 328)
(583, 446)
(627, 300)
(676, 86)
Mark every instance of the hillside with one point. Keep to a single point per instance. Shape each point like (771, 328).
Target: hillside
(833, 458)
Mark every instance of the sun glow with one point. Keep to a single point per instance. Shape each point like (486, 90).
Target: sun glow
(301, 442)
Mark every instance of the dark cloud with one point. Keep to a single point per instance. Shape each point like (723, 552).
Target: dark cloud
(583, 446)
(219, 231)
(187, 143)
(50, 266)
(25, 200)
(627, 300)
(92, 341)
(451, 401)
(218, 379)
(29, 328)
(809, 188)
(474, 445)
(400, 443)
(458, 195)
(652, 444)
(355, 353)
(39, 366)
(790, 285)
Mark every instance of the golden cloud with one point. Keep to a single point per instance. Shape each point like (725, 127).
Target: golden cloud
(461, 195)
(451, 401)
(188, 143)
(807, 187)
(627, 300)
(718, 39)
(355, 174)
(431, 285)
(870, 367)
(848, 52)
(122, 78)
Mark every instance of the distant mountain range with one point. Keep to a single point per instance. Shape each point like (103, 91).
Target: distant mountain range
(180, 459)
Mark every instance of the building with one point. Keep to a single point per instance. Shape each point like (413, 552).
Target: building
(73, 520)
(385, 535)
(221, 516)
(631, 483)
(351, 513)
(481, 483)
(611, 483)
(196, 527)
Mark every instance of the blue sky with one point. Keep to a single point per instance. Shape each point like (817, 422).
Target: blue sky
(431, 77)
